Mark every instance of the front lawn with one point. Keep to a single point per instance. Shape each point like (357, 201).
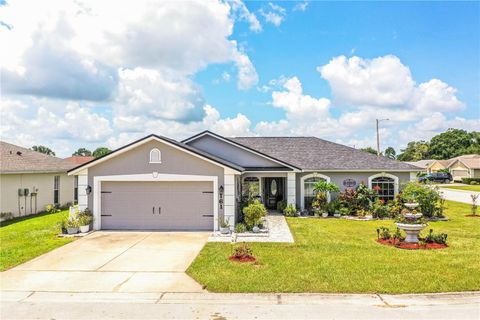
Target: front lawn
(465, 187)
(336, 255)
(25, 238)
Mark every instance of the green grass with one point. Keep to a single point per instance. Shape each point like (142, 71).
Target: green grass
(331, 255)
(465, 187)
(25, 238)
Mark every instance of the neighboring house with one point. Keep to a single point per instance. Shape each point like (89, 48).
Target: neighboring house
(430, 165)
(467, 166)
(30, 180)
(160, 183)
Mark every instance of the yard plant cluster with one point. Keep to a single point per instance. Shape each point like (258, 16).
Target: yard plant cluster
(363, 201)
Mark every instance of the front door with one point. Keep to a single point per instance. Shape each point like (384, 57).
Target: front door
(273, 192)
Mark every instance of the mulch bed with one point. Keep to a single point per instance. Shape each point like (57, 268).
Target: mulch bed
(412, 246)
(473, 215)
(245, 258)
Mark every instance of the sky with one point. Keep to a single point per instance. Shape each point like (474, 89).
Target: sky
(86, 73)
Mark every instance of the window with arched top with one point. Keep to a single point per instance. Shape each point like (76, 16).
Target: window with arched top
(155, 156)
(385, 184)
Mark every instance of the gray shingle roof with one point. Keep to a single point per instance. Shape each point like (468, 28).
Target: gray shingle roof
(15, 159)
(311, 153)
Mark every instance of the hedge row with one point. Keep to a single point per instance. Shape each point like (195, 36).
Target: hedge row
(469, 180)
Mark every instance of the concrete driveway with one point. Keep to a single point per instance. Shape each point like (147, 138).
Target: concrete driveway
(113, 262)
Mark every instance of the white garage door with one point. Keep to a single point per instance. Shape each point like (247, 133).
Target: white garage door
(157, 205)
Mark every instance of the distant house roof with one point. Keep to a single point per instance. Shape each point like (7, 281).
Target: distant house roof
(424, 164)
(311, 153)
(15, 159)
(471, 161)
(79, 159)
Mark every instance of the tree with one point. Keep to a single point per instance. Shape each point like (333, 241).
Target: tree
(101, 151)
(369, 150)
(43, 149)
(82, 152)
(415, 150)
(390, 153)
(453, 143)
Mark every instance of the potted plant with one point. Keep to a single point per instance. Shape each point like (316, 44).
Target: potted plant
(84, 221)
(72, 226)
(224, 226)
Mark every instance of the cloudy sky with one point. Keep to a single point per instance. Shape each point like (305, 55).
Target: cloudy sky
(88, 73)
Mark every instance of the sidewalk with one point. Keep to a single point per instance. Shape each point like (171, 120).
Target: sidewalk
(58, 305)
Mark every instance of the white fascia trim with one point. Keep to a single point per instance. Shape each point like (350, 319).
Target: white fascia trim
(302, 187)
(241, 147)
(97, 180)
(145, 141)
(246, 171)
(384, 174)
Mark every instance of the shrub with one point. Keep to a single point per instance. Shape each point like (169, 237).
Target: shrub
(281, 205)
(344, 211)
(6, 215)
(69, 223)
(428, 198)
(84, 220)
(242, 250)
(383, 233)
(290, 211)
(440, 238)
(333, 206)
(253, 213)
(348, 199)
(240, 228)
(365, 196)
(50, 208)
(379, 209)
(474, 183)
(469, 180)
(320, 201)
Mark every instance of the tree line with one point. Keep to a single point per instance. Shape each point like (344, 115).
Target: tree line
(446, 145)
(84, 152)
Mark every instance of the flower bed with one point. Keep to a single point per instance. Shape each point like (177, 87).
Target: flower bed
(412, 246)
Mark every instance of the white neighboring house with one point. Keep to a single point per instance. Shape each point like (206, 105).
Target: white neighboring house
(30, 180)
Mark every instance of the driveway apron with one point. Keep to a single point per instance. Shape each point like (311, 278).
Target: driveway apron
(113, 262)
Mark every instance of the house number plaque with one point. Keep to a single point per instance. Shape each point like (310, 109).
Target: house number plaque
(349, 183)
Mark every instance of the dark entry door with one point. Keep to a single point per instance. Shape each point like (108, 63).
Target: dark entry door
(273, 192)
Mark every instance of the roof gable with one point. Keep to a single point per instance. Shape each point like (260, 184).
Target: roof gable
(178, 145)
(246, 156)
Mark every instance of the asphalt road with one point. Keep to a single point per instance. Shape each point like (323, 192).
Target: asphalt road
(43, 305)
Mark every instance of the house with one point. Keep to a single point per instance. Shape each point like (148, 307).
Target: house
(30, 180)
(431, 165)
(467, 166)
(160, 183)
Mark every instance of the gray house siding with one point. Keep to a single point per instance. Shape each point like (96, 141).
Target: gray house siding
(231, 153)
(339, 177)
(136, 161)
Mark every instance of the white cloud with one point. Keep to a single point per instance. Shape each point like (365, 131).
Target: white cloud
(275, 14)
(301, 6)
(22, 122)
(384, 82)
(73, 49)
(244, 14)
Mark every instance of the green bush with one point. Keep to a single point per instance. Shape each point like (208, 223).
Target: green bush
(428, 198)
(281, 205)
(290, 211)
(474, 183)
(240, 228)
(469, 180)
(380, 210)
(253, 213)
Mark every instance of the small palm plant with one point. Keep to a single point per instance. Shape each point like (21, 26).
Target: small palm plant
(474, 203)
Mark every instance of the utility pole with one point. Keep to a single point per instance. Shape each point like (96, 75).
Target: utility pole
(377, 121)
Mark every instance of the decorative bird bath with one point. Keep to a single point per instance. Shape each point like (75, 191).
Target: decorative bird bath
(411, 224)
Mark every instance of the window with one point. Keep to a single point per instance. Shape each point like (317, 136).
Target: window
(308, 193)
(385, 187)
(251, 185)
(75, 190)
(155, 156)
(56, 189)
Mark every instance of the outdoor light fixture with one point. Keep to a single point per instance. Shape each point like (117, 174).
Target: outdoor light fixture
(88, 189)
(220, 196)
(220, 190)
